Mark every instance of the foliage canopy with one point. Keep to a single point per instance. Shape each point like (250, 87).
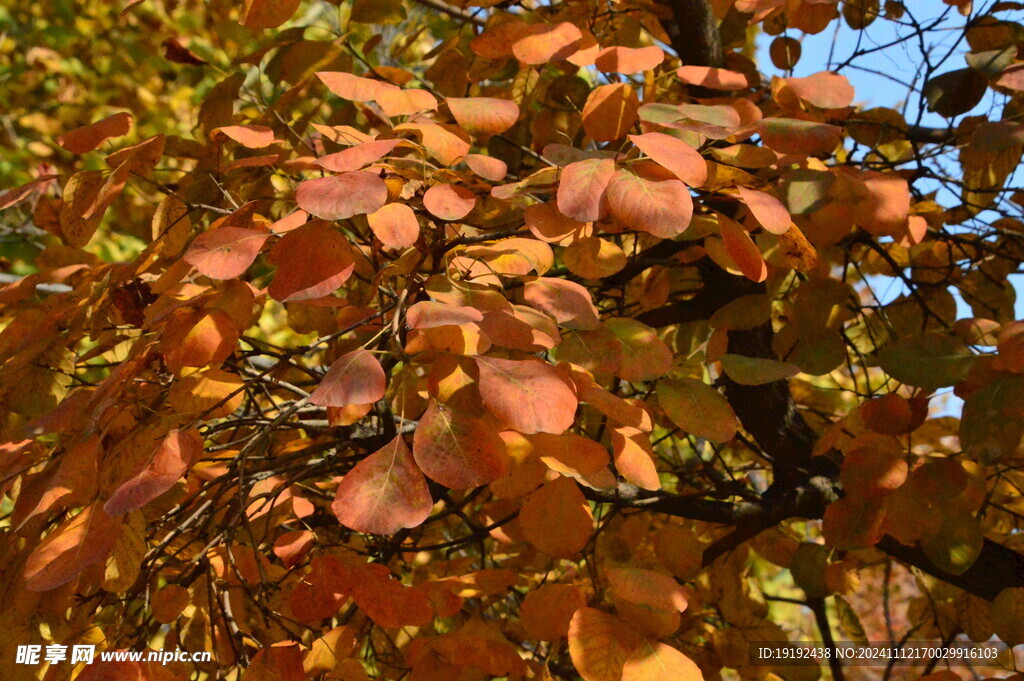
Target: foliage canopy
(402, 339)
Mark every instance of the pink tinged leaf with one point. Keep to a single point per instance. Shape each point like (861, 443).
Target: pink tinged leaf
(449, 202)
(674, 155)
(384, 493)
(251, 136)
(527, 395)
(89, 137)
(767, 210)
(395, 225)
(225, 252)
(354, 88)
(483, 115)
(662, 208)
(581, 189)
(825, 90)
(712, 78)
(354, 378)
(629, 60)
(313, 261)
(428, 314)
(358, 156)
(540, 43)
(742, 250)
(567, 302)
(165, 467)
(399, 102)
(458, 451)
(487, 167)
(76, 544)
(342, 196)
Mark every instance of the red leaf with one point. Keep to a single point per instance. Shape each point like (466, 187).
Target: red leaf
(428, 314)
(712, 78)
(674, 155)
(527, 395)
(313, 261)
(88, 137)
(395, 225)
(342, 196)
(458, 451)
(581, 189)
(225, 252)
(483, 115)
(166, 466)
(354, 378)
(384, 492)
(449, 202)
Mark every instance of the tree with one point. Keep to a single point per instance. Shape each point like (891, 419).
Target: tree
(414, 340)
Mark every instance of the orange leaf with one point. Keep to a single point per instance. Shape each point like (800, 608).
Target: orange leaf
(742, 250)
(483, 115)
(89, 137)
(384, 492)
(313, 261)
(825, 90)
(792, 136)
(674, 155)
(600, 644)
(250, 136)
(581, 189)
(73, 546)
(540, 43)
(279, 662)
(569, 454)
(713, 78)
(225, 252)
(567, 302)
(458, 451)
(547, 610)
(610, 111)
(449, 202)
(487, 167)
(354, 378)
(659, 662)
(629, 60)
(428, 314)
(663, 208)
(559, 499)
(548, 224)
(648, 600)
(166, 465)
(395, 225)
(634, 457)
(358, 156)
(354, 88)
(527, 395)
(342, 196)
(643, 356)
(399, 102)
(767, 210)
(268, 13)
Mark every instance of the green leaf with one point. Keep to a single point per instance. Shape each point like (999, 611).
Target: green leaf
(757, 371)
(928, 361)
(698, 409)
